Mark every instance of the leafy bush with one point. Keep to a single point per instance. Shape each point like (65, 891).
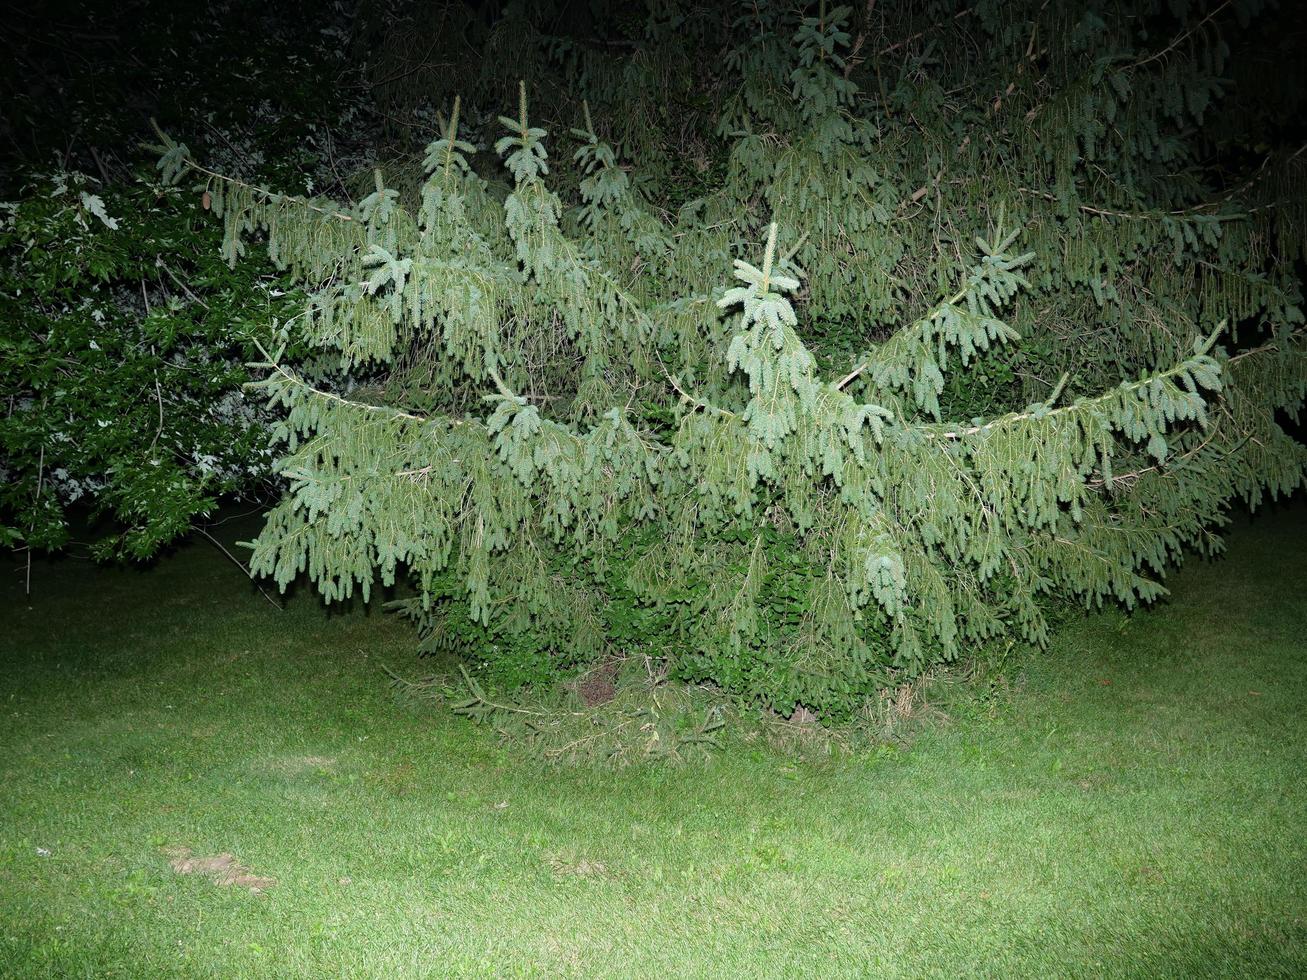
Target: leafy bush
(123, 341)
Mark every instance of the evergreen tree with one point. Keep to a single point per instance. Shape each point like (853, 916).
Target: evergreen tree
(1006, 329)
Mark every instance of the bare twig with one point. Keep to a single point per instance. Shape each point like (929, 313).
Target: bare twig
(193, 165)
(185, 288)
(1181, 37)
(844, 381)
(385, 409)
(242, 566)
(920, 34)
(40, 485)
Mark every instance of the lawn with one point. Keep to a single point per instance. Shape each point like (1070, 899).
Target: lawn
(1131, 805)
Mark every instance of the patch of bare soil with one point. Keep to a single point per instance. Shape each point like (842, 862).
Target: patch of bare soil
(598, 685)
(222, 869)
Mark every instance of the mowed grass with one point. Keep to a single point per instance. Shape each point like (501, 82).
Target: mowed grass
(1133, 807)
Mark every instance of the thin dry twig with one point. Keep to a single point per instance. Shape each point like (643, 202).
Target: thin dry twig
(242, 566)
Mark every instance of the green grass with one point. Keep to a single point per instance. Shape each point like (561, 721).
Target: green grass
(1131, 809)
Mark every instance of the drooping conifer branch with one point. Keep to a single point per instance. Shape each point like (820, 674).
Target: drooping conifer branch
(577, 439)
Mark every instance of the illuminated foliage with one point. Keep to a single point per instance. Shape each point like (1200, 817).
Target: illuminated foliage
(979, 353)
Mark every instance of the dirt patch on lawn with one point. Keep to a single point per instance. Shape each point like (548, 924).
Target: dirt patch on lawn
(598, 685)
(222, 869)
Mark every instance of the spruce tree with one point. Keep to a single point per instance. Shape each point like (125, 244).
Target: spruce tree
(1005, 330)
